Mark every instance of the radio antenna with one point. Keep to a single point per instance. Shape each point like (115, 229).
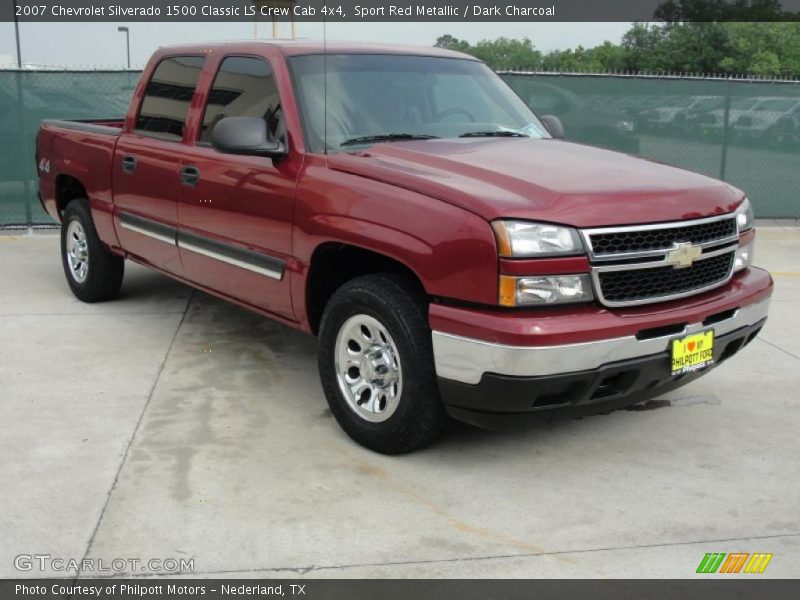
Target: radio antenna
(325, 82)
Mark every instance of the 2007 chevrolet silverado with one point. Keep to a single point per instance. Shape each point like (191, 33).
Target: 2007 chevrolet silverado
(451, 253)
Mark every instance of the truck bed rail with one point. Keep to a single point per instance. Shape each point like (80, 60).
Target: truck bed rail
(111, 127)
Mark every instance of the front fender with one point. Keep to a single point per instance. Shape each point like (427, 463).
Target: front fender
(452, 251)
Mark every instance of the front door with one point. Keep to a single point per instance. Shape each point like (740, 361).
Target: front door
(236, 211)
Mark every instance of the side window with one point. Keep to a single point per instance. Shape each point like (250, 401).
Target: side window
(166, 101)
(243, 87)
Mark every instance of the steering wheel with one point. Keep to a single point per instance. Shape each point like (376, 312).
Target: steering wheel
(454, 111)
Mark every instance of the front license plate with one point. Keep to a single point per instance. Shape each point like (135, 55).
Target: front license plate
(692, 352)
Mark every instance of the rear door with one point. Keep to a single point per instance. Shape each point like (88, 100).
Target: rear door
(236, 216)
(146, 168)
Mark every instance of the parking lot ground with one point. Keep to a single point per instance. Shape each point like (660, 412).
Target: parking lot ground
(169, 424)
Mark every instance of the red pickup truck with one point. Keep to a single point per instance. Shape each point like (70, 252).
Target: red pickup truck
(451, 253)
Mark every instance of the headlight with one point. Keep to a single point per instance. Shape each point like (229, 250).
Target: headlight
(543, 290)
(743, 257)
(518, 239)
(744, 216)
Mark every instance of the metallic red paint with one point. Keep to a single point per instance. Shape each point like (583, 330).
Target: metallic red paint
(425, 204)
(543, 180)
(584, 323)
(545, 266)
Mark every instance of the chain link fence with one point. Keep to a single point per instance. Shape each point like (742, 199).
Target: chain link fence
(27, 97)
(746, 132)
(743, 131)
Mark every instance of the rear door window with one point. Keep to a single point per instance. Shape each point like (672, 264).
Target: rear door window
(169, 93)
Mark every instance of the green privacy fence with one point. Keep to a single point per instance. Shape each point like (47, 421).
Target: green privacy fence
(27, 97)
(743, 131)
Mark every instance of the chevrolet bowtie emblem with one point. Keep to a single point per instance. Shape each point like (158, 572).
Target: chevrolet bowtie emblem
(683, 255)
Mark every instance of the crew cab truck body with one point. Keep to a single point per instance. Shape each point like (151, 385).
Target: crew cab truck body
(407, 208)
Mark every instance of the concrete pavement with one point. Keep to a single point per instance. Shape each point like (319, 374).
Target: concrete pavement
(169, 424)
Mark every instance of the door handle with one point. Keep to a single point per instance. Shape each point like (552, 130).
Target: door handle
(190, 176)
(128, 163)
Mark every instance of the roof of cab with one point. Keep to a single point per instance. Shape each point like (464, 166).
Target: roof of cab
(304, 46)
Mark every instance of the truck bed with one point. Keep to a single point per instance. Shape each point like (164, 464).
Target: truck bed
(101, 126)
(79, 150)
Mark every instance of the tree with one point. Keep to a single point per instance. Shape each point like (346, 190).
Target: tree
(762, 48)
(504, 53)
(768, 48)
(694, 47)
(452, 43)
(644, 47)
(719, 11)
(610, 57)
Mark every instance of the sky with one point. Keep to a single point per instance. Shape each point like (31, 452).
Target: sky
(101, 45)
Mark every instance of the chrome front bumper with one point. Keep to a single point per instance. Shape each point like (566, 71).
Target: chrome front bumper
(466, 360)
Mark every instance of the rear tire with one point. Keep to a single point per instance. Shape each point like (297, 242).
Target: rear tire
(376, 364)
(93, 273)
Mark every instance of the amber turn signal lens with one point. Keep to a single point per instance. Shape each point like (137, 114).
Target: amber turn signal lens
(503, 241)
(507, 290)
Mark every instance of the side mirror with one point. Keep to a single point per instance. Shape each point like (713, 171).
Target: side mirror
(245, 135)
(553, 124)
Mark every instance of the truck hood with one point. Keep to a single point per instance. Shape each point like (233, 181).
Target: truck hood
(547, 180)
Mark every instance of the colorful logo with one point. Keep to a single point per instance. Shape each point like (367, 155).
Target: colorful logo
(735, 562)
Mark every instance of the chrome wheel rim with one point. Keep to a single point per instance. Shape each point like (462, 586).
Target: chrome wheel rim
(77, 251)
(368, 368)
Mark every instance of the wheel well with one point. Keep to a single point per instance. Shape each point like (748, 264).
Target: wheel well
(334, 264)
(68, 188)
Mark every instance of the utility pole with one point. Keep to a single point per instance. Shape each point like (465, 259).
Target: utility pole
(273, 6)
(127, 43)
(27, 192)
(16, 32)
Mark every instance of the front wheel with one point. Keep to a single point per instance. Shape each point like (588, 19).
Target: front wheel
(376, 365)
(93, 273)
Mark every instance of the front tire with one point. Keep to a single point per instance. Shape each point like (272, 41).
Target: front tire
(376, 364)
(93, 273)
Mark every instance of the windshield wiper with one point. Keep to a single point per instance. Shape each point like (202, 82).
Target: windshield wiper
(387, 137)
(493, 134)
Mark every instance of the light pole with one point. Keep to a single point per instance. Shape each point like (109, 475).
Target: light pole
(16, 32)
(274, 5)
(127, 43)
(26, 182)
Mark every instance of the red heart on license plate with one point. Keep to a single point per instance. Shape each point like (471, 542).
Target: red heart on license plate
(690, 346)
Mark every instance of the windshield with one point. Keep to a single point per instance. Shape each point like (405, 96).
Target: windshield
(396, 97)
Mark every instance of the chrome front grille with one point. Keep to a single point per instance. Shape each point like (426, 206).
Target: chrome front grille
(644, 264)
(661, 238)
(657, 282)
